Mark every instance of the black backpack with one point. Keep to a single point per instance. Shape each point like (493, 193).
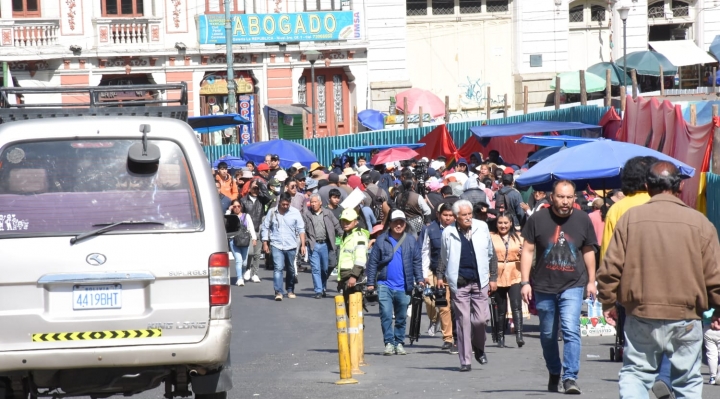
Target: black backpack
(502, 200)
(376, 204)
(243, 237)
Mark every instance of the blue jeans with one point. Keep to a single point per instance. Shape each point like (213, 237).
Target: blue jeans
(664, 371)
(563, 309)
(241, 257)
(319, 265)
(397, 301)
(647, 342)
(283, 260)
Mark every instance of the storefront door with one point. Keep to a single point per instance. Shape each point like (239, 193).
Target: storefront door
(333, 113)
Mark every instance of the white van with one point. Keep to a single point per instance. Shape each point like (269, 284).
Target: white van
(113, 253)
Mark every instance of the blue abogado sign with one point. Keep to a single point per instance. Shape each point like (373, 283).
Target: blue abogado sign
(289, 27)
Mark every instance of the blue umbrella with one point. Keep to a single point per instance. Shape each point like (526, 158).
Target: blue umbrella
(598, 164)
(212, 123)
(289, 152)
(371, 119)
(231, 161)
(543, 153)
(557, 141)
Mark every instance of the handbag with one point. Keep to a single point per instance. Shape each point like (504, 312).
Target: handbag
(243, 237)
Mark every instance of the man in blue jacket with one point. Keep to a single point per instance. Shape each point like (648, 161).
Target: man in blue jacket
(395, 265)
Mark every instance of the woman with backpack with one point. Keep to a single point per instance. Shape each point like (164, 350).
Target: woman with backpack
(240, 243)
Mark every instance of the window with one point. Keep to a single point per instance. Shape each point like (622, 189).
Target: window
(577, 13)
(338, 97)
(122, 8)
(218, 6)
(322, 5)
(470, 6)
(497, 6)
(657, 10)
(415, 7)
(320, 88)
(597, 13)
(302, 90)
(680, 9)
(443, 7)
(26, 8)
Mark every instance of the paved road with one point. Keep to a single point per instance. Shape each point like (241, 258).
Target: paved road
(288, 350)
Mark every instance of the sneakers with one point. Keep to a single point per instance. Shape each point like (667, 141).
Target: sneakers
(246, 276)
(465, 367)
(317, 296)
(240, 282)
(712, 381)
(255, 279)
(571, 387)
(399, 350)
(389, 349)
(553, 383)
(278, 296)
(324, 294)
(291, 295)
(446, 346)
(454, 349)
(431, 329)
(662, 390)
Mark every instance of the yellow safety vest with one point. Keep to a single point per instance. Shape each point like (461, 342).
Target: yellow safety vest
(353, 250)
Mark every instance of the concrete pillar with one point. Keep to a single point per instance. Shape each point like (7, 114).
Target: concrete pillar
(700, 23)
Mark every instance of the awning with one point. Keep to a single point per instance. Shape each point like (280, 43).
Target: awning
(556, 141)
(682, 52)
(291, 109)
(514, 129)
(369, 148)
(213, 123)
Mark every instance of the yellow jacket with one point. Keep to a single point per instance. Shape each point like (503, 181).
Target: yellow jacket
(616, 211)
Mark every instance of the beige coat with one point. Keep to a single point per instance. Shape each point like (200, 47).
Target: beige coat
(508, 267)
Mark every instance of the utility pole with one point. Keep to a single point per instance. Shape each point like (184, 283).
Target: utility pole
(232, 89)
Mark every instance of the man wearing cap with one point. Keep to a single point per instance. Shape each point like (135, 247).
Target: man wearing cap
(395, 266)
(274, 165)
(283, 233)
(298, 166)
(352, 256)
(321, 226)
(227, 183)
(253, 204)
(469, 263)
(263, 170)
(334, 182)
(431, 237)
(315, 166)
(343, 183)
(462, 167)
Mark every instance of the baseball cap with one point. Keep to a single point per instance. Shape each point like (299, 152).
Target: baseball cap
(298, 166)
(348, 171)
(424, 159)
(396, 215)
(462, 160)
(508, 171)
(377, 228)
(274, 183)
(315, 165)
(390, 165)
(263, 167)
(349, 215)
(246, 174)
(310, 183)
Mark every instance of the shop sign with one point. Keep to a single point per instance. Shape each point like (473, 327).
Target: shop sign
(246, 109)
(285, 27)
(273, 124)
(217, 84)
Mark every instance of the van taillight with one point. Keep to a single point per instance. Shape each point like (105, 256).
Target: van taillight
(219, 272)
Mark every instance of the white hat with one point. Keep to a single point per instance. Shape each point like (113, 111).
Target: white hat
(424, 159)
(362, 169)
(397, 214)
(281, 175)
(298, 166)
(437, 164)
(246, 174)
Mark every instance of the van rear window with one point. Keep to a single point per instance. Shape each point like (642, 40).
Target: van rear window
(70, 187)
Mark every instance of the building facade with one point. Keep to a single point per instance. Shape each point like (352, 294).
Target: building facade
(51, 43)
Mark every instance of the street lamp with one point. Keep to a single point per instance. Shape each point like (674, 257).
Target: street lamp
(312, 56)
(623, 11)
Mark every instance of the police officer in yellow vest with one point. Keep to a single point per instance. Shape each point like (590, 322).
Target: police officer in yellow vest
(353, 253)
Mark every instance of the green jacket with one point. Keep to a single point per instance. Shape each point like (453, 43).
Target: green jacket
(353, 253)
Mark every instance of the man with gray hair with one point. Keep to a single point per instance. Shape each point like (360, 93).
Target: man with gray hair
(321, 228)
(469, 264)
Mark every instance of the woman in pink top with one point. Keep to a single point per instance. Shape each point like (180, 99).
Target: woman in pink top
(597, 219)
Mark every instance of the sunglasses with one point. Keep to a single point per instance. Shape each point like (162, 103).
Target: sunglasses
(293, 186)
(235, 206)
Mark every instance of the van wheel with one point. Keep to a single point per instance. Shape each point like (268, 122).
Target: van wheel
(217, 395)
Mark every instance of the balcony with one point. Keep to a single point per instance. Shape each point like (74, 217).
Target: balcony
(125, 32)
(30, 32)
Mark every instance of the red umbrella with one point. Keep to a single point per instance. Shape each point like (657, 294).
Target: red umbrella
(416, 98)
(392, 155)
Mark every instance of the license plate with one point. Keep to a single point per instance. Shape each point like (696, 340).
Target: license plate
(97, 297)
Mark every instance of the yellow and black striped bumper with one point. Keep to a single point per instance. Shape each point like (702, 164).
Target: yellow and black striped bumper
(95, 335)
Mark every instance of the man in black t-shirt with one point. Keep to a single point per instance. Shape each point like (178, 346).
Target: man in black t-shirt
(564, 242)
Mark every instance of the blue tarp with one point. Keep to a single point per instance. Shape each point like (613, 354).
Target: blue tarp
(703, 111)
(514, 129)
(369, 148)
(556, 141)
(213, 123)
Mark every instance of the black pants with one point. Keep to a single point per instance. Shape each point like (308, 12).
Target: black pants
(515, 300)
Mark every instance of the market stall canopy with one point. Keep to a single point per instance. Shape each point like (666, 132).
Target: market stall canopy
(289, 152)
(213, 123)
(557, 141)
(715, 47)
(616, 73)
(648, 63)
(231, 161)
(368, 148)
(514, 129)
(682, 52)
(570, 82)
(598, 164)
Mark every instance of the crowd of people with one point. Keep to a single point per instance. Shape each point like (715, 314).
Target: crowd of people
(464, 231)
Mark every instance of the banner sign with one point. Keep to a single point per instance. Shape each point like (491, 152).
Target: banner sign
(246, 109)
(276, 28)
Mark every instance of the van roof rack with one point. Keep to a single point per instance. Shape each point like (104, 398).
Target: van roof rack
(168, 101)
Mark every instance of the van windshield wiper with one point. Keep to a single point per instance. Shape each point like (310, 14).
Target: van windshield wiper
(107, 227)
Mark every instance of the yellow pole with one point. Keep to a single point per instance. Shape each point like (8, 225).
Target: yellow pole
(343, 348)
(361, 335)
(354, 332)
